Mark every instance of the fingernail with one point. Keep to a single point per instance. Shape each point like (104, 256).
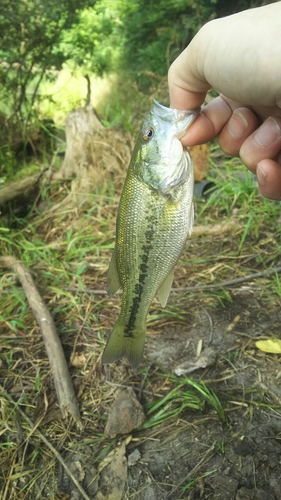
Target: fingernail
(261, 175)
(237, 124)
(268, 132)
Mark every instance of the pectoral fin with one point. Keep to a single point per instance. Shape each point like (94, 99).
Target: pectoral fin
(164, 290)
(113, 282)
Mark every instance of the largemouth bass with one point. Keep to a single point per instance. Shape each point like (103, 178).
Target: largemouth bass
(155, 217)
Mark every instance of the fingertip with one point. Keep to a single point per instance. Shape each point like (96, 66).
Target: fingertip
(200, 132)
(209, 123)
(187, 90)
(269, 179)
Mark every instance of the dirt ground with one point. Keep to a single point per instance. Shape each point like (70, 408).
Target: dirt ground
(208, 336)
(243, 455)
(198, 456)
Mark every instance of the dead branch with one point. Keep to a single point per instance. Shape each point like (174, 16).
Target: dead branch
(63, 384)
(235, 281)
(214, 229)
(20, 192)
(196, 288)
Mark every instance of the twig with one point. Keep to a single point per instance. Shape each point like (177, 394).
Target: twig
(211, 325)
(196, 288)
(50, 446)
(249, 277)
(215, 229)
(63, 383)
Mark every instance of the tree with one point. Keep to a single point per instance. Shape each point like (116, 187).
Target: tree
(94, 42)
(31, 34)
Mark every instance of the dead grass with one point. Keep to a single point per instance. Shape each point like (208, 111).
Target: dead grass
(68, 251)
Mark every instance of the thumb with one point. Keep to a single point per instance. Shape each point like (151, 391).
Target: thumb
(187, 87)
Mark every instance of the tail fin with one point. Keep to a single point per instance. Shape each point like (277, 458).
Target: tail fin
(118, 346)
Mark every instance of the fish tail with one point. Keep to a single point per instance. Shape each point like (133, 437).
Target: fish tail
(120, 345)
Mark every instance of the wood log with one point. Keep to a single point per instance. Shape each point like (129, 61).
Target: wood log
(20, 193)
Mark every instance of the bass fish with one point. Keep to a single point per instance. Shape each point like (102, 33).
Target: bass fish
(155, 217)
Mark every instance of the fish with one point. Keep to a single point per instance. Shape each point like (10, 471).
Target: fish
(154, 220)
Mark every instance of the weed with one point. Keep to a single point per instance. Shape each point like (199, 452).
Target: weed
(179, 399)
(221, 446)
(193, 481)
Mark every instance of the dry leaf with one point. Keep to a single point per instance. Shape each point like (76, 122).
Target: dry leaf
(272, 346)
(125, 415)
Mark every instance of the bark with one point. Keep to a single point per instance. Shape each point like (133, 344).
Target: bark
(63, 384)
(20, 193)
(93, 153)
(80, 125)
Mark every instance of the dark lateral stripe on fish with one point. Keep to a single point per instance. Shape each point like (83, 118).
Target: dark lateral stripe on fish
(129, 328)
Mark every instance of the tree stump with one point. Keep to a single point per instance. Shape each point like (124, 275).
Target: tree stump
(93, 153)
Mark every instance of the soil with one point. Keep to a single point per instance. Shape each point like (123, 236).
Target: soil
(199, 456)
(195, 455)
(209, 336)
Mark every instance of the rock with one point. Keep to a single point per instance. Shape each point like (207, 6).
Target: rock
(126, 414)
(134, 457)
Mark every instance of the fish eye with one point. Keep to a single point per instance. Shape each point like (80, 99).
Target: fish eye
(148, 133)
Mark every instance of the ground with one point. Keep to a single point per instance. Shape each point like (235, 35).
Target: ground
(214, 432)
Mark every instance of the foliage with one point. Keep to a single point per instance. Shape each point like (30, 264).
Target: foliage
(93, 43)
(139, 37)
(31, 34)
(155, 32)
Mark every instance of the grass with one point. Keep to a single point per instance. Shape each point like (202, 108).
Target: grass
(68, 252)
(180, 399)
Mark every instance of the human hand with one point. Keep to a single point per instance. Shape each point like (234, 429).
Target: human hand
(240, 56)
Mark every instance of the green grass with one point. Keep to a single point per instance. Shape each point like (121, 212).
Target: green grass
(68, 252)
(180, 399)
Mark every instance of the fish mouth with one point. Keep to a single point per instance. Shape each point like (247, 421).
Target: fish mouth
(180, 118)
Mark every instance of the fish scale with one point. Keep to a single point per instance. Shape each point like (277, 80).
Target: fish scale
(155, 217)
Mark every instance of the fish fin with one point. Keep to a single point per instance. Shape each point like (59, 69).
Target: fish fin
(118, 346)
(164, 290)
(113, 281)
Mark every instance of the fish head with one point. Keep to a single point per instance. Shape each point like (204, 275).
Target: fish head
(160, 159)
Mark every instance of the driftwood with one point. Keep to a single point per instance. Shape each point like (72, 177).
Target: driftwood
(63, 384)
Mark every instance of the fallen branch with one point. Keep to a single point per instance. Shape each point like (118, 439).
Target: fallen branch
(195, 288)
(235, 281)
(21, 192)
(63, 383)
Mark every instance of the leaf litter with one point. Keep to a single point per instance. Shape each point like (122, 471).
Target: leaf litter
(214, 432)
